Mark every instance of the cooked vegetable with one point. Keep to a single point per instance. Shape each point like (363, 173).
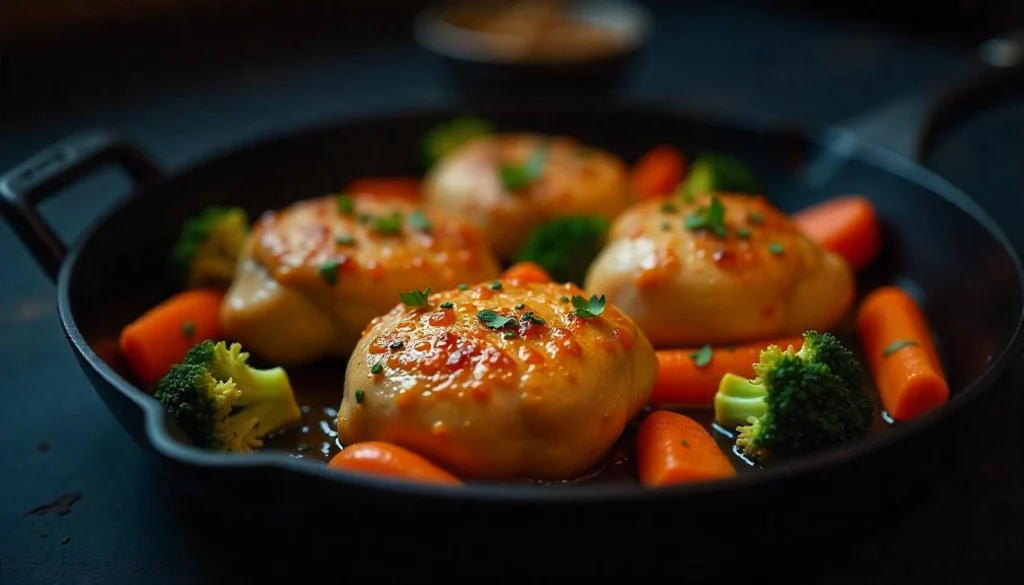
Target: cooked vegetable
(389, 460)
(206, 252)
(658, 172)
(847, 226)
(402, 187)
(799, 403)
(446, 137)
(162, 336)
(901, 356)
(717, 173)
(526, 272)
(565, 247)
(672, 449)
(222, 403)
(685, 379)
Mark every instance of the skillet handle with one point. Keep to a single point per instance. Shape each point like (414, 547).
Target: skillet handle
(913, 124)
(36, 179)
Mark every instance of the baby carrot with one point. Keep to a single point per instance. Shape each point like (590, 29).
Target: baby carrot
(900, 354)
(690, 377)
(387, 459)
(658, 172)
(526, 271)
(163, 335)
(402, 187)
(672, 449)
(847, 226)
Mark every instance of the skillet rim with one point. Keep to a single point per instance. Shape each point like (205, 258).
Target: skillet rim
(832, 139)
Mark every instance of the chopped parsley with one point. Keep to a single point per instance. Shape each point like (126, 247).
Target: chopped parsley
(685, 443)
(776, 248)
(702, 356)
(668, 208)
(564, 299)
(520, 176)
(359, 396)
(463, 286)
(377, 368)
(494, 320)
(755, 217)
(344, 240)
(509, 335)
(898, 345)
(588, 308)
(711, 218)
(519, 307)
(188, 329)
(346, 205)
(419, 221)
(531, 317)
(397, 344)
(415, 298)
(495, 285)
(742, 233)
(329, 271)
(388, 224)
(447, 305)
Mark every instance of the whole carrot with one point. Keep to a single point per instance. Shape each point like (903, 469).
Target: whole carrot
(163, 335)
(526, 271)
(690, 377)
(672, 448)
(387, 459)
(847, 226)
(658, 172)
(900, 353)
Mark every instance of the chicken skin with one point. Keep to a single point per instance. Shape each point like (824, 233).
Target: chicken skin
(511, 184)
(723, 268)
(313, 275)
(502, 381)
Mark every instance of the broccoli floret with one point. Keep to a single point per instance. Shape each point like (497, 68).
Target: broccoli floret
(565, 247)
(208, 245)
(797, 404)
(446, 137)
(222, 403)
(717, 173)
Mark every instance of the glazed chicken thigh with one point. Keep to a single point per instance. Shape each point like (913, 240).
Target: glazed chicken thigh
(719, 269)
(313, 275)
(502, 380)
(511, 184)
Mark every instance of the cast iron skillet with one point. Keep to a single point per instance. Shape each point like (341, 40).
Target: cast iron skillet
(937, 241)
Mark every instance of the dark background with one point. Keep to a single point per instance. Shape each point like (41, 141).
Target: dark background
(188, 81)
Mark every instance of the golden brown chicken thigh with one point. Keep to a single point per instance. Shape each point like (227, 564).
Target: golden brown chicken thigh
(511, 184)
(313, 275)
(499, 381)
(720, 269)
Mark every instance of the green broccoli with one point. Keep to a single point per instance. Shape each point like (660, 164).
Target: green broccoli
(447, 136)
(565, 247)
(208, 245)
(222, 403)
(717, 173)
(799, 402)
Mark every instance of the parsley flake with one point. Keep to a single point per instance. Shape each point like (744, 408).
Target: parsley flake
(419, 221)
(702, 356)
(742, 233)
(509, 335)
(588, 309)
(519, 307)
(564, 299)
(388, 224)
(188, 329)
(463, 286)
(898, 345)
(515, 177)
(397, 344)
(711, 218)
(329, 271)
(415, 298)
(377, 368)
(755, 217)
(494, 320)
(668, 208)
(776, 248)
(531, 317)
(495, 285)
(359, 396)
(346, 205)
(447, 305)
(344, 240)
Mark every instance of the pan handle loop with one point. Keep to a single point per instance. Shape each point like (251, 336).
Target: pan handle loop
(33, 181)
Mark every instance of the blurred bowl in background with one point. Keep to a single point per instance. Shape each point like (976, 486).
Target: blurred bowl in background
(513, 48)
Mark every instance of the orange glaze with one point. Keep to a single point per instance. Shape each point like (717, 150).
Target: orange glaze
(542, 396)
(316, 272)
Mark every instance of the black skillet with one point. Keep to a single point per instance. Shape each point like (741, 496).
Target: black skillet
(937, 241)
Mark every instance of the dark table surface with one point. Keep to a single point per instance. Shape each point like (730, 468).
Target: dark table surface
(132, 525)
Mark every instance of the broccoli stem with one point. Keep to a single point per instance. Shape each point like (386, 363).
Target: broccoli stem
(738, 399)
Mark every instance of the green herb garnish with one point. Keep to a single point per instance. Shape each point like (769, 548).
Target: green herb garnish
(359, 396)
(531, 317)
(515, 177)
(415, 298)
(463, 286)
(588, 308)
(447, 305)
(684, 443)
(344, 240)
(509, 335)
(494, 320)
(397, 344)
(755, 217)
(188, 329)
(898, 345)
(668, 208)
(495, 285)
(711, 218)
(388, 224)
(776, 248)
(702, 356)
(419, 221)
(742, 233)
(377, 368)
(564, 299)
(329, 271)
(519, 307)
(346, 205)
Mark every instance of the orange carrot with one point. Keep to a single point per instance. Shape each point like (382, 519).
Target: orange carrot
(672, 449)
(163, 335)
(900, 354)
(684, 380)
(386, 459)
(847, 226)
(403, 187)
(526, 271)
(658, 172)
